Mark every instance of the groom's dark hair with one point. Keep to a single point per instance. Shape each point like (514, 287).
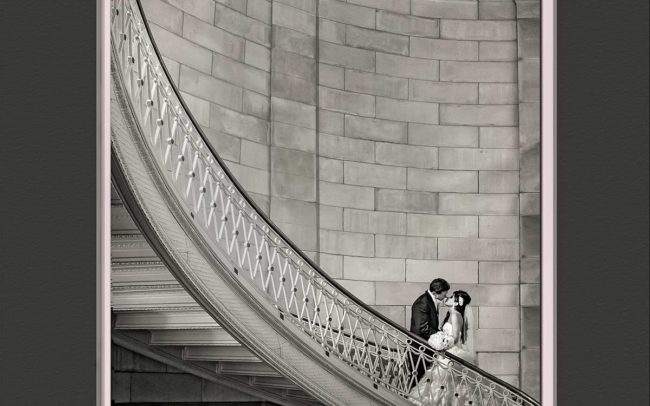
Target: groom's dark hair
(439, 285)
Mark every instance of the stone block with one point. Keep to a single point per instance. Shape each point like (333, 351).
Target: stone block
(254, 155)
(478, 159)
(331, 218)
(529, 204)
(331, 76)
(158, 387)
(292, 64)
(293, 41)
(411, 111)
(252, 179)
(497, 10)
(241, 25)
(293, 88)
(530, 294)
(407, 25)
(362, 290)
(453, 71)
(394, 313)
(443, 135)
(406, 201)
(529, 80)
(506, 340)
(399, 293)
(530, 371)
(499, 363)
(294, 18)
(240, 74)
(445, 9)
(528, 9)
(332, 264)
(203, 9)
(256, 104)
(377, 40)
(330, 170)
(480, 115)
(374, 222)
(498, 272)
(442, 181)
(293, 137)
(478, 30)
(292, 186)
(498, 226)
(346, 102)
(346, 13)
(239, 5)
(331, 31)
(292, 112)
(529, 38)
(478, 249)
(498, 182)
(444, 49)
(262, 201)
(530, 270)
(214, 392)
(208, 88)
(346, 56)
(530, 169)
(497, 93)
(478, 204)
(452, 271)
(406, 155)
(529, 124)
(213, 38)
(398, 6)
(407, 67)
(344, 243)
(293, 211)
(331, 122)
(257, 55)
(374, 129)
(530, 327)
(339, 195)
(530, 236)
(259, 10)
(167, 17)
(293, 162)
(373, 269)
(304, 236)
(174, 69)
(356, 173)
(497, 50)
(120, 386)
(395, 246)
(227, 146)
(333, 146)
(427, 225)
(241, 125)
(179, 49)
(306, 5)
(499, 137)
(444, 92)
(379, 85)
(510, 379)
(200, 108)
(498, 317)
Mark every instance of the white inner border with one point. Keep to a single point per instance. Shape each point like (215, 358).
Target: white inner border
(548, 264)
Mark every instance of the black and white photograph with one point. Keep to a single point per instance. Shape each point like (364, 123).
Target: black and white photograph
(325, 202)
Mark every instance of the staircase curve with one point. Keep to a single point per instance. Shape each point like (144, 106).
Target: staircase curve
(240, 267)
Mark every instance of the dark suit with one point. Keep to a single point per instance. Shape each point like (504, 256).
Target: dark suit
(424, 322)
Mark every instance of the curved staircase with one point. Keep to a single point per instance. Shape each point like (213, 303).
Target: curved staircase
(245, 306)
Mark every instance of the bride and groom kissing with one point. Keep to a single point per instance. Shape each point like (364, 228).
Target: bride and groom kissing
(455, 335)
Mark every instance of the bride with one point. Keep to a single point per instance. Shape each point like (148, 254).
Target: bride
(438, 386)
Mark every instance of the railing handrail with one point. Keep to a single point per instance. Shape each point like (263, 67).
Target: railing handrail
(264, 217)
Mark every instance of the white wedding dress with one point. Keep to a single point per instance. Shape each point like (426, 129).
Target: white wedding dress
(439, 386)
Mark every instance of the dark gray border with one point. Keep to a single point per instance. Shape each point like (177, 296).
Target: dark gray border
(602, 196)
(48, 211)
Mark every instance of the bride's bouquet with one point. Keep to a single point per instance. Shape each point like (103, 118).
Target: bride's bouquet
(441, 341)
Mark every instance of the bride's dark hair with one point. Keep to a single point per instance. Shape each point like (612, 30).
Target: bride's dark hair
(460, 308)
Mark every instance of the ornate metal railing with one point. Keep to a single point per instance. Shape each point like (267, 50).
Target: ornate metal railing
(232, 224)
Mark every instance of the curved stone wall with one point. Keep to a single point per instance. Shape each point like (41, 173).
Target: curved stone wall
(383, 136)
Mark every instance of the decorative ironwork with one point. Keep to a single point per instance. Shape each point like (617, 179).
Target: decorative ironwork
(231, 223)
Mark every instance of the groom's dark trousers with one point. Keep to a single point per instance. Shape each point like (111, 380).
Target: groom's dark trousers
(424, 322)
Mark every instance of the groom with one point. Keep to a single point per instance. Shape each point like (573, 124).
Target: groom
(425, 313)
